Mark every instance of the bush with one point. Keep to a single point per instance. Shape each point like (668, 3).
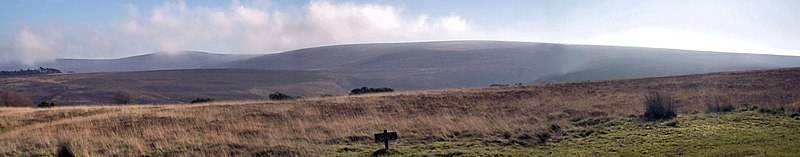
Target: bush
(201, 100)
(45, 104)
(366, 90)
(717, 107)
(555, 128)
(499, 85)
(543, 137)
(124, 97)
(795, 115)
(719, 104)
(280, 96)
(772, 110)
(658, 106)
(64, 150)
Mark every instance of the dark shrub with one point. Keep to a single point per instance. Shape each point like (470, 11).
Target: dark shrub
(498, 85)
(280, 96)
(719, 104)
(555, 128)
(365, 90)
(46, 104)
(543, 137)
(658, 106)
(64, 151)
(772, 110)
(795, 115)
(201, 100)
(717, 107)
(124, 97)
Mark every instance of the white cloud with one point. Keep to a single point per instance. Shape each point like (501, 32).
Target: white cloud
(239, 28)
(348, 22)
(683, 39)
(453, 24)
(243, 28)
(29, 47)
(715, 25)
(257, 27)
(328, 23)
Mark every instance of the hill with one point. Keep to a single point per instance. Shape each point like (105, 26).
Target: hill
(401, 66)
(172, 86)
(452, 64)
(573, 119)
(152, 61)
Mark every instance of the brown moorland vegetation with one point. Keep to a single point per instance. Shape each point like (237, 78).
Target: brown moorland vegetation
(171, 86)
(513, 114)
(14, 99)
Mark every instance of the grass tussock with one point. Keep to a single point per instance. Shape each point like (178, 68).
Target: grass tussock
(658, 106)
(718, 104)
(524, 117)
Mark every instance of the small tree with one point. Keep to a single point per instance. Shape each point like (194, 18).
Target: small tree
(658, 106)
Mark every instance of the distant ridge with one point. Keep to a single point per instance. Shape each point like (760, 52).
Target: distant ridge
(450, 64)
(332, 70)
(453, 64)
(152, 61)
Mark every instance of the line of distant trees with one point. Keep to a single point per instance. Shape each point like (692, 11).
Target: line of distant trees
(23, 72)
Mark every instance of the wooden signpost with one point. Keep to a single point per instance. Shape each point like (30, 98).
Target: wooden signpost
(385, 137)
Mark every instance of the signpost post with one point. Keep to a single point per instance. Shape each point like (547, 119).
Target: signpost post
(385, 137)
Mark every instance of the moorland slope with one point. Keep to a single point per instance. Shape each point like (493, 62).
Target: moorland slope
(600, 116)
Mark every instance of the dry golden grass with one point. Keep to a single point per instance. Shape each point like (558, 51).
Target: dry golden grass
(314, 126)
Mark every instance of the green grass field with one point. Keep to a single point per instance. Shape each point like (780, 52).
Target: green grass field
(747, 133)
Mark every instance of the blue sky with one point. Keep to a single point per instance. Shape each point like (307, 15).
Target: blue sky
(41, 30)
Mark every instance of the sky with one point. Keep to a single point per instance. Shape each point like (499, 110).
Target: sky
(34, 31)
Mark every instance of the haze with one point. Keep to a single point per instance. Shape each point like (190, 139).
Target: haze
(41, 31)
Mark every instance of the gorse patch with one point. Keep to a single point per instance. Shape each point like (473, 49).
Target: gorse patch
(201, 100)
(45, 104)
(366, 90)
(280, 96)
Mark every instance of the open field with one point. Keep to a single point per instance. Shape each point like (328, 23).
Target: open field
(172, 86)
(518, 120)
